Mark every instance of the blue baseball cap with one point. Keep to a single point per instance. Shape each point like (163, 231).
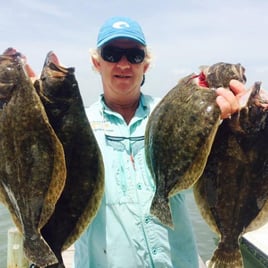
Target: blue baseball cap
(120, 27)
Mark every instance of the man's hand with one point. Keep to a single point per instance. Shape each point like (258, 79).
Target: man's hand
(228, 100)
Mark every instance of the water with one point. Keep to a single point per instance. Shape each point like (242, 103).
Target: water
(5, 224)
(205, 238)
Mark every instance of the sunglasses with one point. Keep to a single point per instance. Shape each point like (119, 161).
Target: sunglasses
(115, 54)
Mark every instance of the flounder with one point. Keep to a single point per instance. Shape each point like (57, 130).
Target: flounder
(32, 164)
(232, 193)
(180, 133)
(82, 194)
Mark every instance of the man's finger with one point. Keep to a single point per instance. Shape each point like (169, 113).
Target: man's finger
(237, 87)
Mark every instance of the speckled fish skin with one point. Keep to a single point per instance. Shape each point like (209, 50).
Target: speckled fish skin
(221, 73)
(172, 146)
(84, 187)
(180, 132)
(32, 164)
(232, 193)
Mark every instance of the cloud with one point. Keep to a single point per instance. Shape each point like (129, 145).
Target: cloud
(37, 7)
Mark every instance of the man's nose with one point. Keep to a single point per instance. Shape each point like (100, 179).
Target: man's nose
(123, 63)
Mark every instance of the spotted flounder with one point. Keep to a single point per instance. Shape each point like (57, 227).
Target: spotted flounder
(82, 194)
(232, 193)
(32, 164)
(181, 130)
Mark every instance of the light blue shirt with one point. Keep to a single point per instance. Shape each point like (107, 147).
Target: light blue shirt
(123, 233)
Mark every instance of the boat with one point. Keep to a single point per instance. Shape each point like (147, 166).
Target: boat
(254, 248)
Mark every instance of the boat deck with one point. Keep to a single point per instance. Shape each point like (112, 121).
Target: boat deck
(259, 238)
(254, 248)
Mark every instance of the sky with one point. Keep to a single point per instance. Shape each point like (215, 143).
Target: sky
(181, 34)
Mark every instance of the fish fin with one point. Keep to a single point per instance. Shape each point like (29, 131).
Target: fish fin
(225, 259)
(160, 208)
(39, 252)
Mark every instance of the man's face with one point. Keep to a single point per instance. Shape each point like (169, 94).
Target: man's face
(122, 77)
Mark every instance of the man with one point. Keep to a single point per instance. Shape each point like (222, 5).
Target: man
(123, 233)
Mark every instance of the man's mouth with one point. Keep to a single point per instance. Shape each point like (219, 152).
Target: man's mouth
(122, 76)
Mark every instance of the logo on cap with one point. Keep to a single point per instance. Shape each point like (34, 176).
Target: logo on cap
(120, 25)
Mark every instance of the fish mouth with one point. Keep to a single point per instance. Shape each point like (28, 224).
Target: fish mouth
(253, 114)
(255, 96)
(55, 68)
(52, 58)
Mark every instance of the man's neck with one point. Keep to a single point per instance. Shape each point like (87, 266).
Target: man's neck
(127, 109)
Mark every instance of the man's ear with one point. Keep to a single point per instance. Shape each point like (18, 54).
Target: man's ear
(96, 63)
(146, 66)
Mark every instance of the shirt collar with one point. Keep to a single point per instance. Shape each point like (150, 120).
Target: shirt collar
(142, 110)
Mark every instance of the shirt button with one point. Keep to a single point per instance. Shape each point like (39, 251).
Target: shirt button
(147, 220)
(154, 251)
(139, 187)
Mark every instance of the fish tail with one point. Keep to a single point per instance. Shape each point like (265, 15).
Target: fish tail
(226, 259)
(160, 208)
(38, 251)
